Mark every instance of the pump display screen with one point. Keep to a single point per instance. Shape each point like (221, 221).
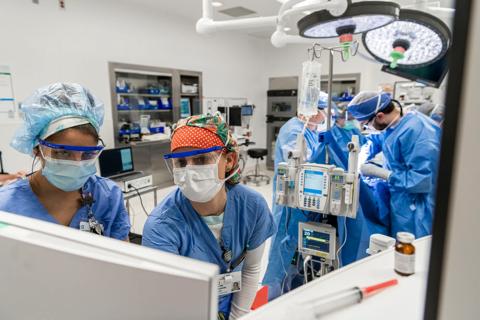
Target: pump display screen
(313, 183)
(315, 240)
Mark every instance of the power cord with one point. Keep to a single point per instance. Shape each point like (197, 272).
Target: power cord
(344, 240)
(140, 197)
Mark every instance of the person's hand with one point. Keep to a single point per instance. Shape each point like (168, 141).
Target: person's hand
(20, 174)
(371, 170)
(9, 178)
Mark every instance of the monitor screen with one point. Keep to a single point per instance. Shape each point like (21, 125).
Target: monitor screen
(315, 240)
(313, 183)
(185, 110)
(431, 75)
(115, 161)
(247, 110)
(235, 116)
(106, 278)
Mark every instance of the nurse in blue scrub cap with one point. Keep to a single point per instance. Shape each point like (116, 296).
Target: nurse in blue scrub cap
(210, 217)
(61, 130)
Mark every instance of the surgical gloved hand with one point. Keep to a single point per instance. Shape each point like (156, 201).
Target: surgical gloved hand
(371, 170)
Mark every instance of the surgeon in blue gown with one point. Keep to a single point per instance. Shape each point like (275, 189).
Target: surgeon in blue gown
(210, 217)
(287, 140)
(61, 129)
(284, 271)
(410, 144)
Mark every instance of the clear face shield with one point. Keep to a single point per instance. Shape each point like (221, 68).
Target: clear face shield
(200, 157)
(52, 151)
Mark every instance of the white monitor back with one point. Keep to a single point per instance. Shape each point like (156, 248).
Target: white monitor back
(54, 272)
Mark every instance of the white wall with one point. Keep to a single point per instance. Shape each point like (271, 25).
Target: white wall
(43, 44)
(459, 296)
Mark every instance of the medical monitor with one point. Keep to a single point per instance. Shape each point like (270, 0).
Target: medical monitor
(115, 161)
(247, 110)
(313, 183)
(317, 240)
(53, 272)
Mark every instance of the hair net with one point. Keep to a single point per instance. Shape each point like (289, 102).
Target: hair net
(218, 126)
(366, 104)
(323, 101)
(47, 104)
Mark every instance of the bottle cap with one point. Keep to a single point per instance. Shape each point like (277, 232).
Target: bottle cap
(405, 237)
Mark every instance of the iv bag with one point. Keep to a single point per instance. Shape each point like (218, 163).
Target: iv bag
(309, 90)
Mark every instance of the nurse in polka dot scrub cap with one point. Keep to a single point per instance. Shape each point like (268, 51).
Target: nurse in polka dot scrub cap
(210, 216)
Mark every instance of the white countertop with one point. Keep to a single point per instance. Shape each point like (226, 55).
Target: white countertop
(403, 301)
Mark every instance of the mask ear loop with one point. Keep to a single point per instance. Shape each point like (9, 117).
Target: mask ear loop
(34, 162)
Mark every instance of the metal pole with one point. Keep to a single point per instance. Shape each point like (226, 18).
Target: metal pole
(1, 164)
(329, 111)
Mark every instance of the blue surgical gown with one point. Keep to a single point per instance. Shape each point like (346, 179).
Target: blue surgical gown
(174, 226)
(281, 273)
(411, 150)
(108, 209)
(344, 136)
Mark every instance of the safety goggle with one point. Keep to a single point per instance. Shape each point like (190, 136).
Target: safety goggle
(67, 152)
(198, 157)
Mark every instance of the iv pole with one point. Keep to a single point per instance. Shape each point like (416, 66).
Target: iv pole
(345, 50)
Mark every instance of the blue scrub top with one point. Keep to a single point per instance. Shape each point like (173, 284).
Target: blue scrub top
(174, 226)
(108, 209)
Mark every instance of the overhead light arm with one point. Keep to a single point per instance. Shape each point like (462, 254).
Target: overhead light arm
(207, 24)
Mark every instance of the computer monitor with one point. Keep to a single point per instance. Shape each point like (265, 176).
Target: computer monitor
(247, 110)
(235, 116)
(48, 271)
(116, 161)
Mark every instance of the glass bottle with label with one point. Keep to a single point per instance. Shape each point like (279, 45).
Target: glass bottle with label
(405, 254)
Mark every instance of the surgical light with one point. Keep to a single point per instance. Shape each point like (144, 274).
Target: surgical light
(415, 40)
(358, 18)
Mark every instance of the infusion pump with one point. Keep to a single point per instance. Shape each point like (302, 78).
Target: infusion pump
(325, 189)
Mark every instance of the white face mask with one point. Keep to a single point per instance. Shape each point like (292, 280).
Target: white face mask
(199, 183)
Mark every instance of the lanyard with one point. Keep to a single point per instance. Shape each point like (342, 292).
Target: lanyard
(227, 256)
(88, 201)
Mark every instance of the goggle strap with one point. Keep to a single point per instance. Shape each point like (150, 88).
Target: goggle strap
(191, 153)
(69, 148)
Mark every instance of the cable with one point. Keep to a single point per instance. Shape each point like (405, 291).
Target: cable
(140, 197)
(344, 240)
(305, 273)
(33, 166)
(282, 243)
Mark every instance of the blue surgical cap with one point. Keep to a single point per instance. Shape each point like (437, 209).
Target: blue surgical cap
(367, 103)
(323, 101)
(48, 104)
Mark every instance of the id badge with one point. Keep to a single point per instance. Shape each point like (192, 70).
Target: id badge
(229, 283)
(84, 226)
